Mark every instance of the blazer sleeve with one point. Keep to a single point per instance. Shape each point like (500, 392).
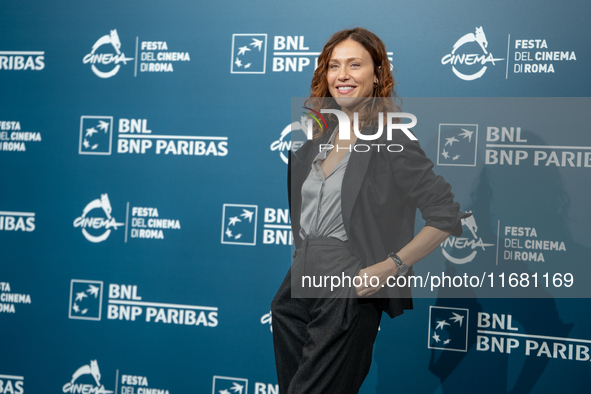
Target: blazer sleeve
(413, 172)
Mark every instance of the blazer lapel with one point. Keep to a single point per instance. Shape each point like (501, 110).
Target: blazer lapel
(300, 163)
(301, 160)
(352, 180)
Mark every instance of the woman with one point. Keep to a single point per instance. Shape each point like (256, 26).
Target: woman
(352, 212)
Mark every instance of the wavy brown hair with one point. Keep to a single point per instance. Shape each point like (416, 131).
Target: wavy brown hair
(320, 97)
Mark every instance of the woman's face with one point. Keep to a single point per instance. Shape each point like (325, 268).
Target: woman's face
(350, 73)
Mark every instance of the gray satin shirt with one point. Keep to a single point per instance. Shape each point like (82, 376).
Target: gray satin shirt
(321, 199)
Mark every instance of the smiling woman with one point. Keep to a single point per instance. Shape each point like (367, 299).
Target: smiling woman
(352, 216)
(352, 68)
(350, 71)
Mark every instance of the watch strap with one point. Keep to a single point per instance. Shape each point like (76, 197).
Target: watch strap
(402, 268)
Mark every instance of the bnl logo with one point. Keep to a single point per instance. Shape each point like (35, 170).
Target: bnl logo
(239, 225)
(96, 135)
(249, 53)
(277, 227)
(227, 385)
(456, 145)
(85, 299)
(448, 328)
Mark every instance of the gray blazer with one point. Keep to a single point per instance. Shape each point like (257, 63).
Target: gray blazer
(380, 194)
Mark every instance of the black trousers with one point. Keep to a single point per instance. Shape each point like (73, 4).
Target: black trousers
(323, 345)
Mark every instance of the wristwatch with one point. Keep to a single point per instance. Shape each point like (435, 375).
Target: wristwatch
(402, 268)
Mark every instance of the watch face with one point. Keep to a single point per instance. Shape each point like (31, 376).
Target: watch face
(403, 269)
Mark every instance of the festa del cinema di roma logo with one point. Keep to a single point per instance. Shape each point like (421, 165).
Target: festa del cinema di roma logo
(473, 246)
(105, 223)
(470, 60)
(102, 54)
(80, 383)
(290, 140)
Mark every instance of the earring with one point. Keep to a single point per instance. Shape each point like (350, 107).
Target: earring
(375, 89)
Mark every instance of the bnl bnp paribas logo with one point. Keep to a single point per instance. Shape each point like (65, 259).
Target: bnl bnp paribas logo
(239, 225)
(22, 60)
(448, 329)
(290, 54)
(12, 384)
(85, 299)
(106, 56)
(469, 57)
(134, 137)
(249, 53)
(456, 145)
(462, 250)
(230, 385)
(96, 135)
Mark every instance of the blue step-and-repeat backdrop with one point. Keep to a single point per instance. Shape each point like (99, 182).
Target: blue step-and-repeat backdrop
(144, 224)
